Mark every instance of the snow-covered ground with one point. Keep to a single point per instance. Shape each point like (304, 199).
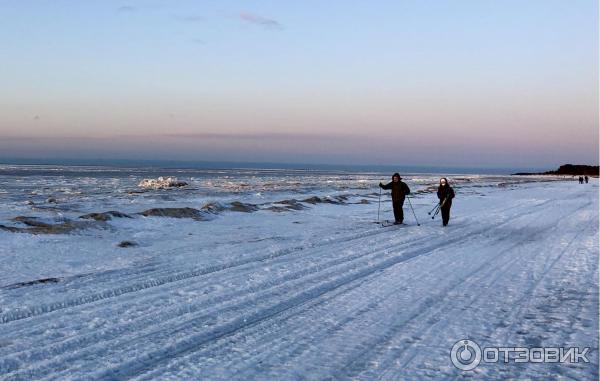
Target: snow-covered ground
(282, 286)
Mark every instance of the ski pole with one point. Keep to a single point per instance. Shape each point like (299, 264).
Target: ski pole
(437, 210)
(411, 208)
(379, 205)
(441, 205)
(434, 208)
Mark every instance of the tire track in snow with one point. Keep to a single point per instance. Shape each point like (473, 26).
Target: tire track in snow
(148, 321)
(352, 318)
(131, 369)
(245, 301)
(246, 332)
(332, 261)
(484, 273)
(484, 280)
(477, 299)
(410, 242)
(519, 315)
(43, 309)
(274, 333)
(142, 285)
(349, 315)
(525, 301)
(189, 309)
(333, 243)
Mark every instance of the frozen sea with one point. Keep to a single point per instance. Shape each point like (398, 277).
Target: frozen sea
(285, 274)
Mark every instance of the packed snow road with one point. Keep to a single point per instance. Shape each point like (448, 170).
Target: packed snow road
(327, 294)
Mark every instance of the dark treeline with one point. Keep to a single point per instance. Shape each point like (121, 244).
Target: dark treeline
(571, 170)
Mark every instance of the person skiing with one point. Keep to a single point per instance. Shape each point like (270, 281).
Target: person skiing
(586, 179)
(399, 192)
(445, 193)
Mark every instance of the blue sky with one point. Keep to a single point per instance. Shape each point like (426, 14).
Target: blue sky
(465, 83)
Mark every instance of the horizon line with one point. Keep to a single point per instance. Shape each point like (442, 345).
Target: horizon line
(218, 164)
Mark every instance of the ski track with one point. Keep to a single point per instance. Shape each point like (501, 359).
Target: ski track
(487, 279)
(371, 303)
(364, 356)
(244, 301)
(162, 280)
(345, 258)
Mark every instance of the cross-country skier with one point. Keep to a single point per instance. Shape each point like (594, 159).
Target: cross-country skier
(445, 193)
(399, 191)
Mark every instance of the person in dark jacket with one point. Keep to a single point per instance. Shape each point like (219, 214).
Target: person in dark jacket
(445, 193)
(399, 191)
(586, 179)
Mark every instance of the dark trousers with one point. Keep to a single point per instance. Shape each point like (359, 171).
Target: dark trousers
(446, 213)
(398, 212)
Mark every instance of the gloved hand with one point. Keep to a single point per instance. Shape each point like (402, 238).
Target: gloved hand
(380, 185)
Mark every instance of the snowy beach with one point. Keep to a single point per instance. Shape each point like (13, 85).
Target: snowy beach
(283, 274)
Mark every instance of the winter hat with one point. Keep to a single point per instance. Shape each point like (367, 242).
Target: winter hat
(396, 175)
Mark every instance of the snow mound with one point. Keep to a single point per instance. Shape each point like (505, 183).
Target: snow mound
(161, 183)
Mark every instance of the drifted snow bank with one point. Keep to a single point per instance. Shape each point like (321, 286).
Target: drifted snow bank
(161, 183)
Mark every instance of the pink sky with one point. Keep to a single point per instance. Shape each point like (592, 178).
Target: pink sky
(460, 83)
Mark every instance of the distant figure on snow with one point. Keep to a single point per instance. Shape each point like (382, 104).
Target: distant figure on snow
(580, 179)
(586, 179)
(445, 193)
(399, 191)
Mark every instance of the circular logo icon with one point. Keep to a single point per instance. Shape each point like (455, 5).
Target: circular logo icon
(465, 355)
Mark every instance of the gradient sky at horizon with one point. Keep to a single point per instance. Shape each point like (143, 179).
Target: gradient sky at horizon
(447, 82)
